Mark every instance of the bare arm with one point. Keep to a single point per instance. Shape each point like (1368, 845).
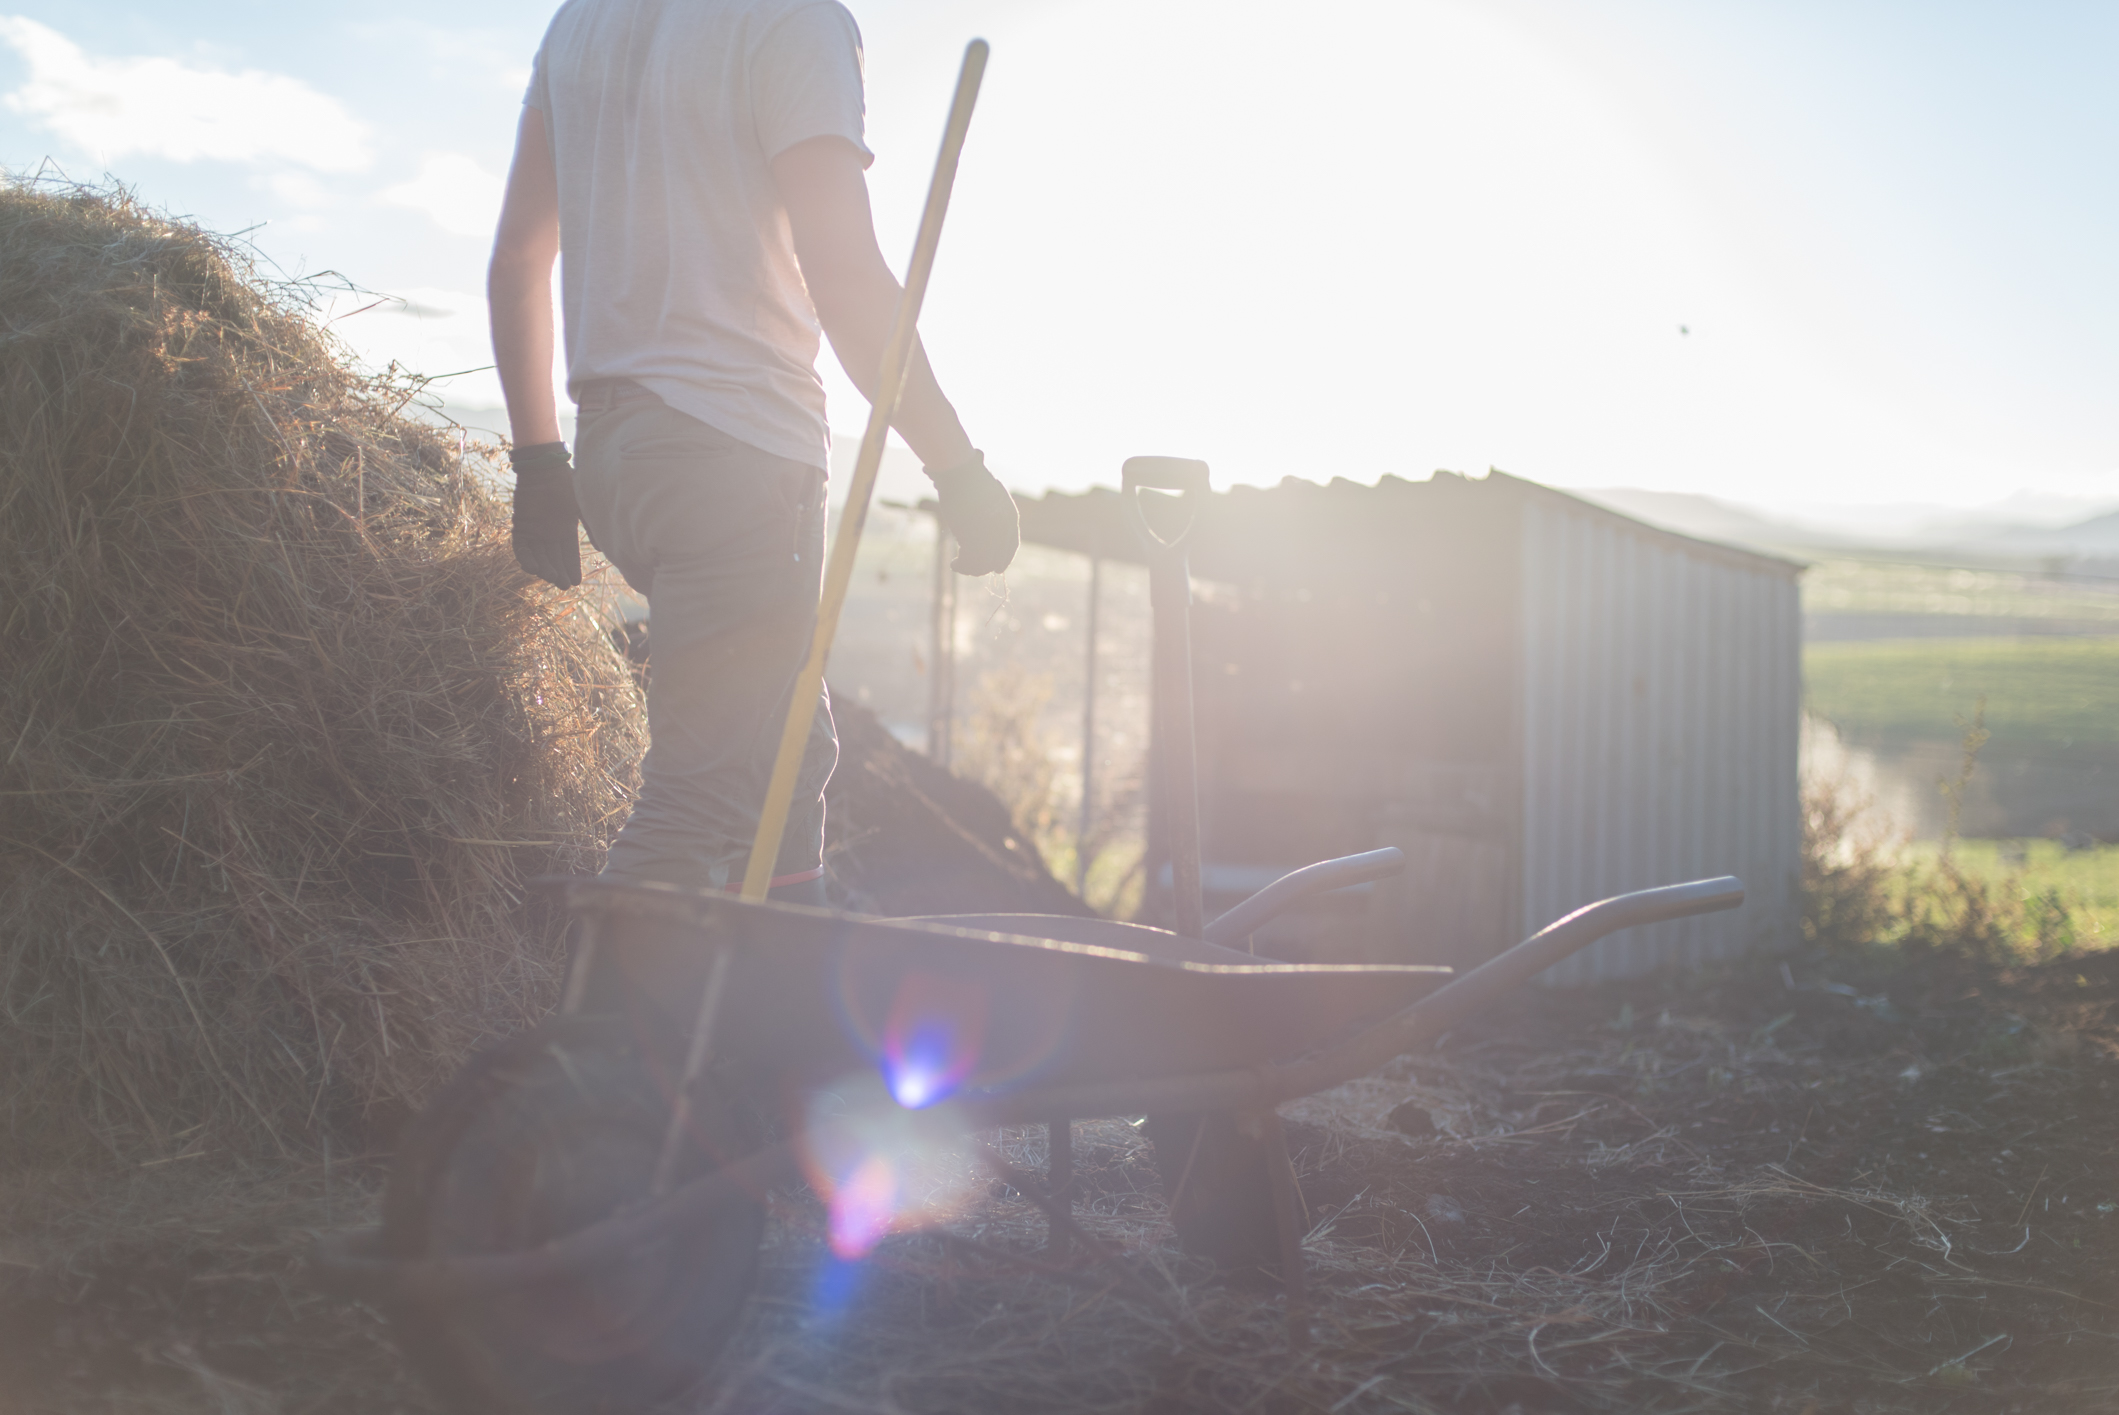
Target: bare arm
(826, 195)
(519, 286)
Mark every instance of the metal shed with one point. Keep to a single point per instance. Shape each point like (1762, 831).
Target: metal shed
(1541, 701)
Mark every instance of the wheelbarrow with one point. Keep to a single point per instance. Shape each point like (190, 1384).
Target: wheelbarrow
(572, 1225)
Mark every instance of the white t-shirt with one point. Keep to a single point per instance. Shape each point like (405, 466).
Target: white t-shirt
(677, 269)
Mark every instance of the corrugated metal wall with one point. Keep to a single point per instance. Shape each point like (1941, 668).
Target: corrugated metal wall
(1660, 702)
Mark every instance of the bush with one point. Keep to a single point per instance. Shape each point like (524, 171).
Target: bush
(1859, 889)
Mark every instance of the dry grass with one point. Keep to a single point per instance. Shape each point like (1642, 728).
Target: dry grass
(285, 730)
(1872, 1191)
(1660, 1198)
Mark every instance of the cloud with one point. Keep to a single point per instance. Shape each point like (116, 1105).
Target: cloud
(298, 190)
(427, 330)
(477, 59)
(159, 107)
(456, 193)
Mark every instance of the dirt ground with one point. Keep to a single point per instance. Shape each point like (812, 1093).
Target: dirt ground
(1856, 1183)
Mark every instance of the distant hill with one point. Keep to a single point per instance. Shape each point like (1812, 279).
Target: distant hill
(1710, 519)
(2098, 537)
(2088, 547)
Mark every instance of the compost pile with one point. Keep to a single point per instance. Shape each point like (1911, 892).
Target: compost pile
(904, 836)
(285, 729)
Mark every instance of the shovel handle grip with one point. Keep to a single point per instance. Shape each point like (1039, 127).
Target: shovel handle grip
(1179, 474)
(1183, 474)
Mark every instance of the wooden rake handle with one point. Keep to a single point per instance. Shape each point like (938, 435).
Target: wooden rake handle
(838, 571)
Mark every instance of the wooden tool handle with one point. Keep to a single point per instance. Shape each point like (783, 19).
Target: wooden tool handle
(838, 571)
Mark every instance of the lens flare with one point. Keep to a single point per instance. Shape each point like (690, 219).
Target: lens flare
(941, 1011)
(932, 1041)
(864, 1206)
(832, 1289)
(880, 1167)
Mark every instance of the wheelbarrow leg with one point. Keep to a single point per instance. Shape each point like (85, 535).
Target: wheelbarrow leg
(1217, 1172)
(702, 1044)
(578, 968)
(1289, 1221)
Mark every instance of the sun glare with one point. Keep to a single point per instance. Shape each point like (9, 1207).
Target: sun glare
(936, 1031)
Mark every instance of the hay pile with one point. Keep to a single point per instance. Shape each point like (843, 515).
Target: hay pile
(283, 730)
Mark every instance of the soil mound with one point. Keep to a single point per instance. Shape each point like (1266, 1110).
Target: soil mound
(283, 729)
(904, 836)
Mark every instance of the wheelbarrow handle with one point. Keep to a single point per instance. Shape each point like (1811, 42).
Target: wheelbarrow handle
(1505, 972)
(1254, 913)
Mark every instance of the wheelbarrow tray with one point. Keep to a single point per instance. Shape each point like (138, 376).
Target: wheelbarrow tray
(812, 994)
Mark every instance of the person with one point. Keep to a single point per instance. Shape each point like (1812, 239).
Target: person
(696, 167)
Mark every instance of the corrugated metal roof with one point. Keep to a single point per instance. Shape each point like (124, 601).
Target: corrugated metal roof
(1301, 528)
(1740, 556)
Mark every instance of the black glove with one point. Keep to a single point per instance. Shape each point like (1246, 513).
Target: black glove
(546, 514)
(980, 513)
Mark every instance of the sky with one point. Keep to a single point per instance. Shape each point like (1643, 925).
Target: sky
(1808, 255)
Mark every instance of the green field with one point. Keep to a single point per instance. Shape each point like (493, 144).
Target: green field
(1891, 587)
(2086, 881)
(2040, 694)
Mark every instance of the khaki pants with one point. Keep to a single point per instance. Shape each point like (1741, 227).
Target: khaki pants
(727, 545)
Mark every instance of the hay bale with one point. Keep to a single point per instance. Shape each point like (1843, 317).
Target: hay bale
(283, 730)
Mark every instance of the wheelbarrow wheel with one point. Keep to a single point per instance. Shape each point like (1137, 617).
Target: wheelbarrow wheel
(1218, 1181)
(539, 1137)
